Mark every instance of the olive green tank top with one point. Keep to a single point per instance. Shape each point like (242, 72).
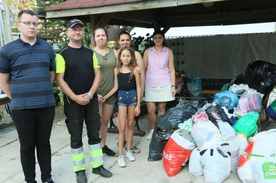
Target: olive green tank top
(107, 64)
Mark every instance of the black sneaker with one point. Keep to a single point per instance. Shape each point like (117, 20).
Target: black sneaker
(102, 172)
(108, 151)
(81, 177)
(49, 180)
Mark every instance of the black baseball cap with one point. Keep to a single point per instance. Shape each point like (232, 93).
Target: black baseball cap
(74, 22)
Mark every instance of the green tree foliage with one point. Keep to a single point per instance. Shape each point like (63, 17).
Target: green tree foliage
(15, 6)
(141, 43)
(53, 30)
(50, 30)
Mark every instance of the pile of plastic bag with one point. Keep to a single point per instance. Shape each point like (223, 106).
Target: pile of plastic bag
(166, 125)
(223, 136)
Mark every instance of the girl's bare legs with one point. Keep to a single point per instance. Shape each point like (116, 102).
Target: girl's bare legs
(122, 128)
(130, 126)
(121, 139)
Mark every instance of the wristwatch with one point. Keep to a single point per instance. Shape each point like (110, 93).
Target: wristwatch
(173, 86)
(90, 95)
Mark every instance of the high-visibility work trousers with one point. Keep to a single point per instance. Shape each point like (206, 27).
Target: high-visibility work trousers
(78, 159)
(76, 116)
(96, 155)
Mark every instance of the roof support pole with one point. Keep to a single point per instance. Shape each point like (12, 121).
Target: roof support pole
(93, 28)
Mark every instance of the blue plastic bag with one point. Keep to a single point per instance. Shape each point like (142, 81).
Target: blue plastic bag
(226, 99)
(194, 84)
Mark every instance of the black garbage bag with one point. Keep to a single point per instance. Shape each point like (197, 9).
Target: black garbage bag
(172, 117)
(166, 125)
(215, 112)
(240, 79)
(261, 76)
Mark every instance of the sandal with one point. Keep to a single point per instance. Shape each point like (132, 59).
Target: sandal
(134, 150)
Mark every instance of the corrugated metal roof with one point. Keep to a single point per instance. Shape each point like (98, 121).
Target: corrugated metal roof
(72, 4)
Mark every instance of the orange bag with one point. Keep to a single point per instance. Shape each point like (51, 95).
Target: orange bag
(177, 152)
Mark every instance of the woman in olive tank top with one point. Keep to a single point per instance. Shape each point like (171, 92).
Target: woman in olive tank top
(107, 60)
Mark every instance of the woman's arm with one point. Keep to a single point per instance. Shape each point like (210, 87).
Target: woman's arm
(172, 71)
(115, 87)
(140, 64)
(145, 59)
(116, 55)
(137, 109)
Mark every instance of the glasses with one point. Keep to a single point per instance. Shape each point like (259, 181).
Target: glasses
(35, 24)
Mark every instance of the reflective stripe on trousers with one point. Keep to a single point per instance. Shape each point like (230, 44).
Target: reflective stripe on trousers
(96, 155)
(78, 159)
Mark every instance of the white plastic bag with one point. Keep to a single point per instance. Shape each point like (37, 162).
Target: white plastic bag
(226, 130)
(232, 147)
(195, 165)
(217, 165)
(206, 135)
(251, 101)
(263, 144)
(239, 89)
(264, 169)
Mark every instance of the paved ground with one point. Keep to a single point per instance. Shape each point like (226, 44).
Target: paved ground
(136, 172)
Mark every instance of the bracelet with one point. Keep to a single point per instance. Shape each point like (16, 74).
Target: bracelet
(173, 86)
(90, 95)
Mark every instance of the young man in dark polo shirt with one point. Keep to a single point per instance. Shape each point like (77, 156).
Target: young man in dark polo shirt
(27, 70)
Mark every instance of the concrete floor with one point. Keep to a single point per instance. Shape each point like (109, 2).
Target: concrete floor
(139, 171)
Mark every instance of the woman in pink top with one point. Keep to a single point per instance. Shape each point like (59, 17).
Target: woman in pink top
(160, 78)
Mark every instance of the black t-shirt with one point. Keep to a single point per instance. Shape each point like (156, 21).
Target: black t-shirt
(79, 72)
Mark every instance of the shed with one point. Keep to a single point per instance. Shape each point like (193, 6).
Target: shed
(165, 14)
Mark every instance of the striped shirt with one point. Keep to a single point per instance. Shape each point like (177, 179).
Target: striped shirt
(29, 66)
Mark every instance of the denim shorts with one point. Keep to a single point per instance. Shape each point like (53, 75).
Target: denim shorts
(127, 98)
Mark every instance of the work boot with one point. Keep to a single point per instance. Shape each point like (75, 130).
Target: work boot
(108, 151)
(81, 177)
(102, 171)
(49, 180)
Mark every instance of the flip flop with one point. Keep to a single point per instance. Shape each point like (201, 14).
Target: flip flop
(134, 150)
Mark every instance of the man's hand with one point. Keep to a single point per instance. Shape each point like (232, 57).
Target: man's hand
(82, 99)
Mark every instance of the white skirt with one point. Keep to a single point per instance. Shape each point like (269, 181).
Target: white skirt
(158, 94)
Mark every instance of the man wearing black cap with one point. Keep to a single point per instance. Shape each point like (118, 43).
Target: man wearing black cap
(79, 76)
